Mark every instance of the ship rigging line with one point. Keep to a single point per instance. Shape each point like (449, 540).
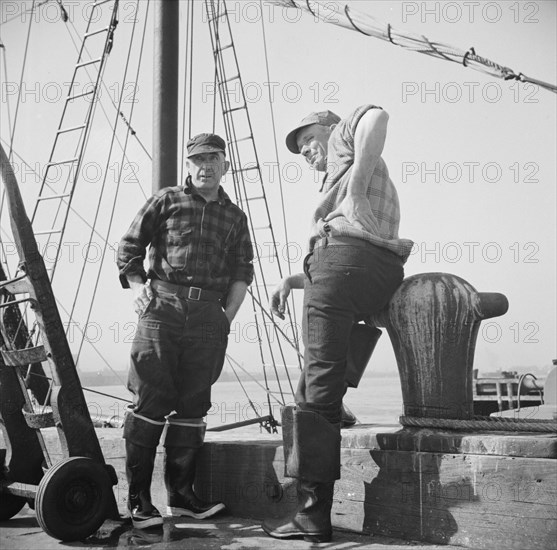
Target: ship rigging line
(188, 77)
(111, 218)
(281, 189)
(27, 40)
(369, 26)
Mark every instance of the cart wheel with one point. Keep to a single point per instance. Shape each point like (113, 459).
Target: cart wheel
(10, 505)
(72, 498)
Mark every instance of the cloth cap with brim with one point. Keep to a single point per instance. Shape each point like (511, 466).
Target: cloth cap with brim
(206, 143)
(324, 118)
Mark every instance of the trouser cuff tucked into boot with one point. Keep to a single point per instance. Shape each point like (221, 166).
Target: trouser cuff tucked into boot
(311, 445)
(141, 430)
(183, 442)
(312, 455)
(185, 432)
(142, 436)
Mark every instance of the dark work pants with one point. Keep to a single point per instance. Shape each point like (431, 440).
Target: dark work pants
(345, 283)
(177, 354)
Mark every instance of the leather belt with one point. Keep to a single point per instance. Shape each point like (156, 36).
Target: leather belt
(352, 241)
(333, 241)
(188, 292)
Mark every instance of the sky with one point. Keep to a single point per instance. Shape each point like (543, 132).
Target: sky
(472, 157)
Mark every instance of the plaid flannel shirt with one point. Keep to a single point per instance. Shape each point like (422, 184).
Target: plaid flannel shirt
(381, 194)
(191, 242)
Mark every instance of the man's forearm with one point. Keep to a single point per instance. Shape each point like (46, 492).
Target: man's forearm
(236, 296)
(297, 280)
(369, 140)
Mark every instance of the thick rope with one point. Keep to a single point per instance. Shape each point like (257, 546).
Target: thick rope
(369, 26)
(482, 423)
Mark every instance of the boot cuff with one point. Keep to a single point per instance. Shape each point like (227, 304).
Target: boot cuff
(185, 433)
(311, 446)
(141, 430)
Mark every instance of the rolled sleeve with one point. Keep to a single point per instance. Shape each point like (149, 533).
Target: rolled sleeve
(133, 245)
(241, 256)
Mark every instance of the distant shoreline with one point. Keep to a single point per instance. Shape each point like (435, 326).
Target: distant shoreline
(116, 378)
(109, 378)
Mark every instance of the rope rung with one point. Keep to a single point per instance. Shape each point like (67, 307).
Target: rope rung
(242, 139)
(47, 231)
(76, 96)
(71, 129)
(226, 111)
(50, 197)
(235, 77)
(90, 62)
(100, 3)
(220, 49)
(67, 161)
(98, 31)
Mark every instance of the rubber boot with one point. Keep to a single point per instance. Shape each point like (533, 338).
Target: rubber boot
(311, 455)
(140, 462)
(179, 475)
(312, 520)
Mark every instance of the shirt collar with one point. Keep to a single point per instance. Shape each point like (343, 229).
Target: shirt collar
(189, 189)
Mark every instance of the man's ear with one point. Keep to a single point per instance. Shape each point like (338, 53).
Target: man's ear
(226, 166)
(331, 128)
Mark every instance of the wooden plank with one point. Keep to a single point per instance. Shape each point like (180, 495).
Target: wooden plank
(468, 500)
(518, 444)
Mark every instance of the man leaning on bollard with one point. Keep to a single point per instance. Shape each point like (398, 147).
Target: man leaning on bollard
(354, 267)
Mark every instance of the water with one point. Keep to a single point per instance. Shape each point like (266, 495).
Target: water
(378, 400)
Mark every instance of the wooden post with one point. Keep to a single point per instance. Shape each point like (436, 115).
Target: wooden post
(165, 94)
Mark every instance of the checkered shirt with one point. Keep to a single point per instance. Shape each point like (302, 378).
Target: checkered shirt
(381, 194)
(191, 242)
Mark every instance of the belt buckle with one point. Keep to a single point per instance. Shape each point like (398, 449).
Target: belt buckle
(196, 293)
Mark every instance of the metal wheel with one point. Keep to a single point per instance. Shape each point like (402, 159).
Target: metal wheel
(72, 499)
(10, 505)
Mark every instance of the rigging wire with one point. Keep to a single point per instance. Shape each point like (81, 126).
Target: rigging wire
(281, 189)
(239, 181)
(18, 102)
(106, 90)
(3, 197)
(72, 209)
(369, 26)
(188, 78)
(30, 10)
(111, 218)
(85, 135)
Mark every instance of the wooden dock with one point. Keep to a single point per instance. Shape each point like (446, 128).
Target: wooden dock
(492, 490)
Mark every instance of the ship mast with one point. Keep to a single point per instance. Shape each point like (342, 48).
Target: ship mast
(165, 94)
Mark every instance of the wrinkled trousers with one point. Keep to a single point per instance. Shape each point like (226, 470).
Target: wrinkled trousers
(344, 284)
(177, 354)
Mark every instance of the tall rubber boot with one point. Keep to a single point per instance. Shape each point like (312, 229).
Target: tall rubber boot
(179, 475)
(140, 462)
(311, 455)
(142, 436)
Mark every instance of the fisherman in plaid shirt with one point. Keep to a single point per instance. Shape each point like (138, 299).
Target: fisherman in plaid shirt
(200, 261)
(354, 267)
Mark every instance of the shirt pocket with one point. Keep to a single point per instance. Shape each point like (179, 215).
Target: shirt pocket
(178, 244)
